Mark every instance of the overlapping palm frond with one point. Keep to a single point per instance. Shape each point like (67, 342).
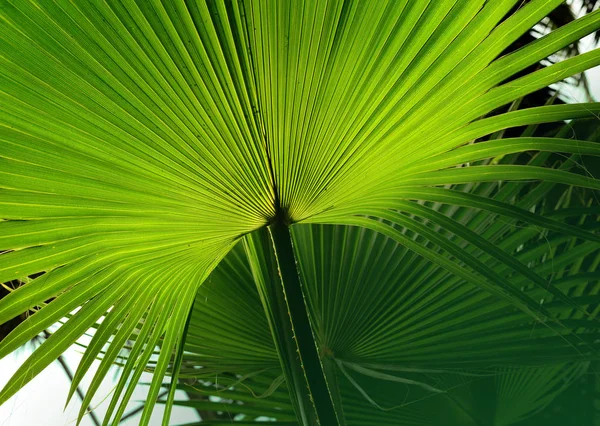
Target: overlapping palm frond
(146, 146)
(400, 331)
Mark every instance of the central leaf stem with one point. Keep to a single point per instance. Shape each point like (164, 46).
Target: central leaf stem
(300, 322)
(273, 263)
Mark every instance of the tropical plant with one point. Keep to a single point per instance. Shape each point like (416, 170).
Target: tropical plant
(305, 211)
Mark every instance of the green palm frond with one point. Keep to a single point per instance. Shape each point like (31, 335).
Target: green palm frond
(316, 203)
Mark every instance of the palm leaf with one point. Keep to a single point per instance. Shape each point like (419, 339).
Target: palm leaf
(141, 141)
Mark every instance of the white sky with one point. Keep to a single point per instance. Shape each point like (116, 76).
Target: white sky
(42, 400)
(593, 75)
(570, 94)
